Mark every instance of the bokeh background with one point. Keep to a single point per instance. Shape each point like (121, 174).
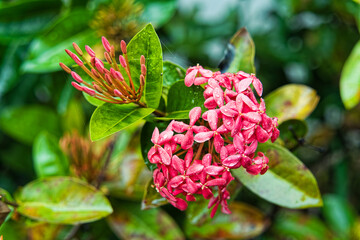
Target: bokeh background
(296, 41)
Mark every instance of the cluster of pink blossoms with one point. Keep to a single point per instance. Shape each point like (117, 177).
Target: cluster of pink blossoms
(196, 158)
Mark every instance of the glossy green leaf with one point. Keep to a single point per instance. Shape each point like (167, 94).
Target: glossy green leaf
(130, 222)
(9, 74)
(47, 51)
(23, 19)
(158, 12)
(240, 53)
(145, 138)
(147, 43)
(26, 122)
(244, 222)
(93, 101)
(292, 132)
(172, 74)
(339, 215)
(111, 118)
(49, 160)
(300, 226)
(152, 199)
(62, 200)
(182, 99)
(350, 79)
(287, 183)
(291, 101)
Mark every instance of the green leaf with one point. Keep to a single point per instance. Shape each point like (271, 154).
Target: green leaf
(62, 200)
(244, 222)
(49, 160)
(73, 118)
(9, 74)
(292, 131)
(291, 101)
(287, 183)
(181, 99)
(130, 222)
(350, 79)
(145, 140)
(111, 118)
(47, 51)
(24, 19)
(152, 199)
(147, 43)
(158, 12)
(339, 215)
(24, 123)
(240, 53)
(93, 101)
(300, 226)
(172, 74)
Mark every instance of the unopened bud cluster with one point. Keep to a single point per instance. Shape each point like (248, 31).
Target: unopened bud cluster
(109, 85)
(195, 159)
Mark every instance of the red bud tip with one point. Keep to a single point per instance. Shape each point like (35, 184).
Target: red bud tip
(143, 70)
(117, 93)
(65, 68)
(90, 51)
(122, 61)
(123, 46)
(74, 57)
(77, 49)
(69, 52)
(89, 91)
(99, 68)
(77, 86)
(142, 60)
(106, 44)
(76, 77)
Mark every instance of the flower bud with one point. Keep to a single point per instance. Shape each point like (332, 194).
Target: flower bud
(77, 49)
(77, 86)
(90, 51)
(122, 61)
(123, 47)
(76, 77)
(106, 44)
(65, 68)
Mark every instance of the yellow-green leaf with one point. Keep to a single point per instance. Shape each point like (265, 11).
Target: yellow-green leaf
(291, 101)
(62, 200)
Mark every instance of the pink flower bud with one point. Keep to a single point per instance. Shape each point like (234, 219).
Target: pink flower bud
(89, 91)
(77, 86)
(90, 51)
(106, 44)
(123, 46)
(122, 61)
(76, 77)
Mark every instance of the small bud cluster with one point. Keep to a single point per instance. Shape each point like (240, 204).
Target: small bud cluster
(196, 158)
(108, 85)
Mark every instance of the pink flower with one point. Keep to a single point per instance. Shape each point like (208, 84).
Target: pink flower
(225, 138)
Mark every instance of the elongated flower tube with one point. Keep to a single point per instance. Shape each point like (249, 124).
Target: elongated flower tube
(109, 83)
(194, 160)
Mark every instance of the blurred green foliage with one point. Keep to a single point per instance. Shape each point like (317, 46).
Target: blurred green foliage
(298, 42)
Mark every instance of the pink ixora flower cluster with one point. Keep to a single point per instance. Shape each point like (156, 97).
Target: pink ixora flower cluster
(196, 158)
